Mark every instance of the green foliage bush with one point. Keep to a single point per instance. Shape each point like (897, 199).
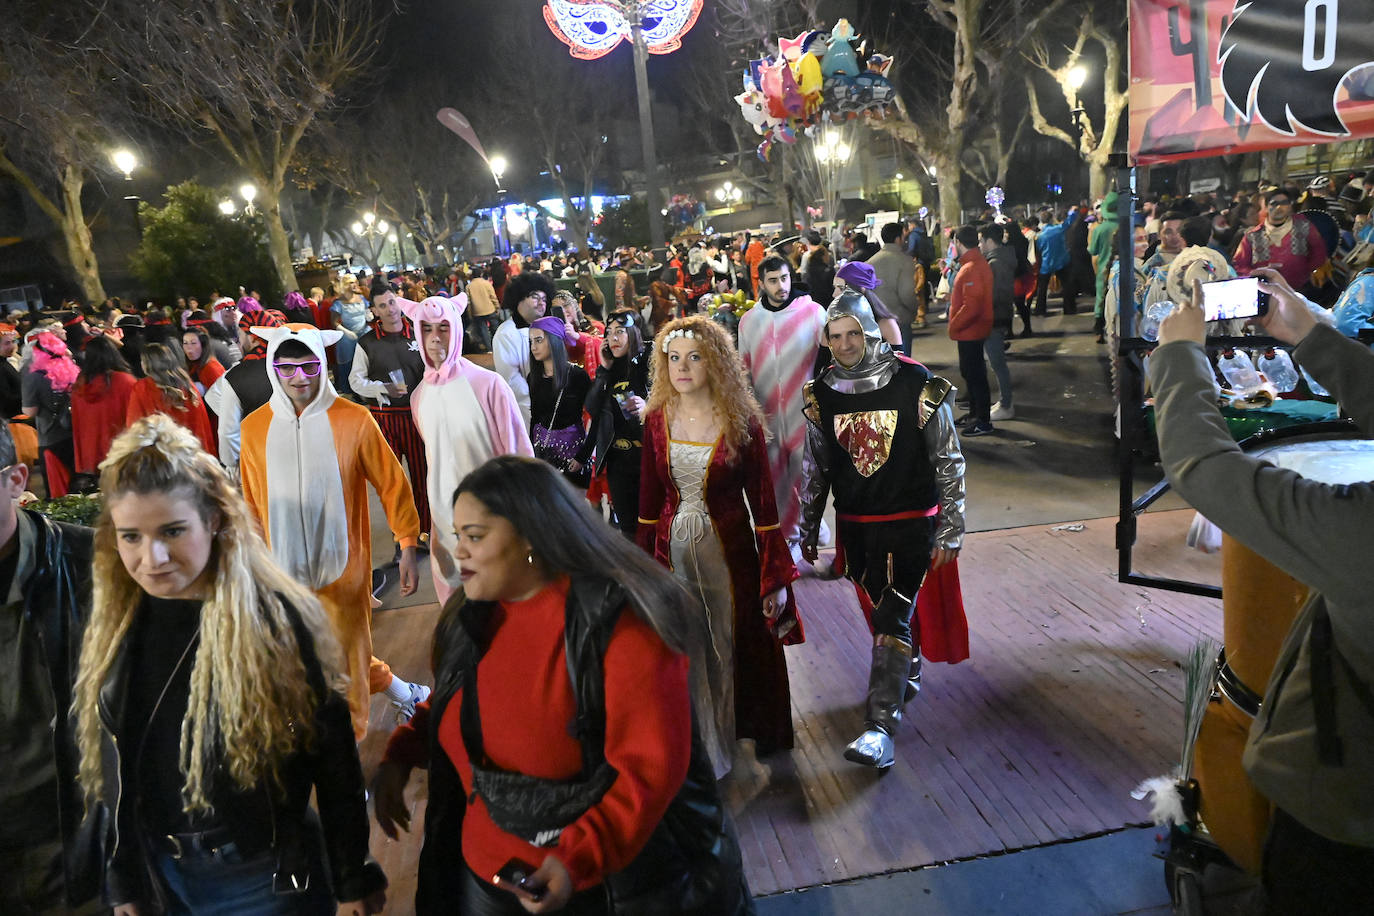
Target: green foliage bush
(190, 248)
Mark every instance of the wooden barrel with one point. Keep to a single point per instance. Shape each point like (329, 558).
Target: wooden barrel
(1259, 603)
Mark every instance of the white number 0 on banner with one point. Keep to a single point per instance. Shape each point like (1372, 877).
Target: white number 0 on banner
(1310, 25)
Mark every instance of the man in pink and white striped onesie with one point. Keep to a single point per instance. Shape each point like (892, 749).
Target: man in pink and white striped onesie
(778, 339)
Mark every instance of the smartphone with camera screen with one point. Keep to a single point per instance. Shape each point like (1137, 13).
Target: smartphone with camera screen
(1240, 297)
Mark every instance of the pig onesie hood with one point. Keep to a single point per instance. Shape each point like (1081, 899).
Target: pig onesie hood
(467, 415)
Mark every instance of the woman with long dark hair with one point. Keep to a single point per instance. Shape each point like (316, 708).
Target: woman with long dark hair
(99, 405)
(166, 388)
(707, 512)
(526, 298)
(564, 773)
(616, 404)
(557, 391)
(201, 364)
(208, 707)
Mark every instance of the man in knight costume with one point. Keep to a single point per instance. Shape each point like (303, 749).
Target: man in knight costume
(881, 435)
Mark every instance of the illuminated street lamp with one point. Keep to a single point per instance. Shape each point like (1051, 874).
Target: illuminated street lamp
(498, 168)
(227, 207)
(832, 153)
(249, 193)
(125, 161)
(729, 194)
(1075, 79)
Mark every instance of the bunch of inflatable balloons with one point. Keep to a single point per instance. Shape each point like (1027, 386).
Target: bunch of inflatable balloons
(816, 77)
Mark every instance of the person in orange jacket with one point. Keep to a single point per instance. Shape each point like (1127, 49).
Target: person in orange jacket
(970, 323)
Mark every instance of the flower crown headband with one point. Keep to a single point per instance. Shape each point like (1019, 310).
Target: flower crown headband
(687, 333)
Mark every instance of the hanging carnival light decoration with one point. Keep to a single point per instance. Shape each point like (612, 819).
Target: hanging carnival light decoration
(593, 28)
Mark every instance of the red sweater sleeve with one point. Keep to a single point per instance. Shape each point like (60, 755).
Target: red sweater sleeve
(409, 743)
(651, 490)
(648, 741)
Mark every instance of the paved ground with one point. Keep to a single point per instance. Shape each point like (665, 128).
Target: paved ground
(1056, 462)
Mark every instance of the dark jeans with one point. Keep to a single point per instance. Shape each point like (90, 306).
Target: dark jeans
(484, 327)
(482, 899)
(975, 373)
(224, 882)
(622, 479)
(1305, 872)
(1068, 286)
(872, 550)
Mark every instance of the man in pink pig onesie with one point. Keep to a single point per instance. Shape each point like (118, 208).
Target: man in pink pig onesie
(466, 415)
(777, 343)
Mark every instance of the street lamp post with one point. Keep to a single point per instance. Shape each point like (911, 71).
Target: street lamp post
(728, 194)
(593, 30)
(646, 128)
(900, 208)
(125, 161)
(249, 193)
(832, 152)
(498, 168)
(1077, 76)
(371, 228)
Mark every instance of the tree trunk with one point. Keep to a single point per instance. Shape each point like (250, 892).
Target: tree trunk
(1099, 176)
(278, 244)
(947, 173)
(77, 236)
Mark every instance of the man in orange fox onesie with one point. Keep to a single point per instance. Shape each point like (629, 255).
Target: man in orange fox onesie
(311, 500)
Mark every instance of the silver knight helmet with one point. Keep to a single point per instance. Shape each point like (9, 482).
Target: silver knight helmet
(851, 304)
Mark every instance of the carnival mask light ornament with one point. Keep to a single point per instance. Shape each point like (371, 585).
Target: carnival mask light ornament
(594, 28)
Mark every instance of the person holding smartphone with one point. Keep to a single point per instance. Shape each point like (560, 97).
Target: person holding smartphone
(1309, 748)
(616, 404)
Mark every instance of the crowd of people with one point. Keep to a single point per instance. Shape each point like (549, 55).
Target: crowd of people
(615, 513)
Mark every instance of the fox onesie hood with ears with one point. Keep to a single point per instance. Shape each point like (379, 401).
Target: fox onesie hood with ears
(467, 415)
(311, 499)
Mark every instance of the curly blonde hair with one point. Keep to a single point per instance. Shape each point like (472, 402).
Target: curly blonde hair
(250, 701)
(731, 395)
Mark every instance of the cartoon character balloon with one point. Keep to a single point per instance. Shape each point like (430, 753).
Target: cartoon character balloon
(840, 59)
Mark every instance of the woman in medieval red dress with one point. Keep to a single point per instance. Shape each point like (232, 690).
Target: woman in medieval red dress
(705, 473)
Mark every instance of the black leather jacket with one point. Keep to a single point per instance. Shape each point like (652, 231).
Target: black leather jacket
(57, 598)
(608, 422)
(257, 819)
(690, 865)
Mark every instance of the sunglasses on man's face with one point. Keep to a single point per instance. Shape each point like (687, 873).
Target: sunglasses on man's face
(289, 370)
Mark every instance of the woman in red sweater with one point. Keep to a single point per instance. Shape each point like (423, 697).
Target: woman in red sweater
(166, 388)
(99, 401)
(201, 364)
(580, 783)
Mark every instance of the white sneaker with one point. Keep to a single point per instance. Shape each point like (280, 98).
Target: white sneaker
(405, 709)
(1003, 412)
(824, 537)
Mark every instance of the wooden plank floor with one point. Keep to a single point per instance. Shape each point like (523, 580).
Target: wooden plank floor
(1072, 695)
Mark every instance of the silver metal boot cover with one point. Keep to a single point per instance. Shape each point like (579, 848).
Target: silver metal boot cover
(887, 683)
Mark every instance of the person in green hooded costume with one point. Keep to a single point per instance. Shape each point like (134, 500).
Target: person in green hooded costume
(1102, 247)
